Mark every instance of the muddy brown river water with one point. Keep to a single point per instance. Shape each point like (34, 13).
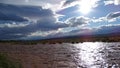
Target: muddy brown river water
(66, 55)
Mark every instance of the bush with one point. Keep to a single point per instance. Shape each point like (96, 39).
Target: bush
(6, 63)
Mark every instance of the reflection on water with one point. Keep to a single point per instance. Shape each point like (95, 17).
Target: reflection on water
(99, 55)
(66, 55)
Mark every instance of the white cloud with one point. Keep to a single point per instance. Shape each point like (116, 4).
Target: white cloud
(13, 25)
(108, 2)
(115, 2)
(113, 15)
(77, 21)
(43, 33)
(92, 3)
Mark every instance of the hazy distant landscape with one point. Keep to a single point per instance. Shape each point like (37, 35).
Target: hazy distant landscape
(68, 39)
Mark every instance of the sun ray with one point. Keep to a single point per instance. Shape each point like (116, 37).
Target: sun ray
(86, 6)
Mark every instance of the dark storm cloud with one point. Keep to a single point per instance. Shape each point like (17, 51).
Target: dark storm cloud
(25, 11)
(45, 26)
(68, 2)
(46, 21)
(31, 28)
(11, 17)
(113, 15)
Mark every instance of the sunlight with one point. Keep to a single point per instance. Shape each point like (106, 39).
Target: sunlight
(89, 46)
(90, 53)
(86, 6)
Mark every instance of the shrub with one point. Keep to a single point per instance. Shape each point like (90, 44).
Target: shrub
(6, 63)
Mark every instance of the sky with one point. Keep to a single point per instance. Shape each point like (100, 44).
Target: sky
(41, 19)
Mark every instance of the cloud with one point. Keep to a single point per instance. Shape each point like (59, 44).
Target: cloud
(10, 24)
(99, 20)
(108, 2)
(30, 22)
(38, 19)
(60, 4)
(52, 4)
(115, 2)
(61, 32)
(32, 12)
(46, 25)
(30, 2)
(106, 29)
(26, 29)
(42, 28)
(68, 2)
(91, 3)
(110, 17)
(11, 17)
(113, 15)
(77, 21)
(79, 31)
